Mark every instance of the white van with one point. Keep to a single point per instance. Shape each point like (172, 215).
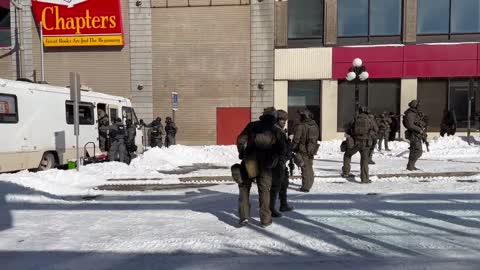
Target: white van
(36, 124)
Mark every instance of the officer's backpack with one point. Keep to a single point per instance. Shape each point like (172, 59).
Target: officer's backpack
(361, 126)
(312, 140)
(264, 139)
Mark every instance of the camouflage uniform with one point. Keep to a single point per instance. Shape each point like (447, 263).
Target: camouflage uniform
(361, 143)
(373, 137)
(383, 123)
(305, 145)
(264, 159)
(130, 141)
(414, 125)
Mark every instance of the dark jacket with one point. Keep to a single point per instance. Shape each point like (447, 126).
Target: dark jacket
(246, 142)
(412, 121)
(305, 134)
(170, 128)
(156, 128)
(116, 131)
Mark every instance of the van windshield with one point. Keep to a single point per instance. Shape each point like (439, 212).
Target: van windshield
(129, 113)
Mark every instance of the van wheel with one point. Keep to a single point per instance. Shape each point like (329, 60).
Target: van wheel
(47, 162)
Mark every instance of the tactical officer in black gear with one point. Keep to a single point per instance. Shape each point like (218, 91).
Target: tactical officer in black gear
(171, 132)
(117, 134)
(156, 133)
(280, 172)
(103, 135)
(130, 140)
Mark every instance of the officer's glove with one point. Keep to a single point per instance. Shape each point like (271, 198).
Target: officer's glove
(241, 155)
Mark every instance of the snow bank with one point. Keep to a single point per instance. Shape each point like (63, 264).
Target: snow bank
(148, 165)
(180, 155)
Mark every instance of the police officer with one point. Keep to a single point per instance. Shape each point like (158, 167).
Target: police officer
(305, 145)
(383, 123)
(117, 134)
(413, 122)
(130, 139)
(102, 122)
(171, 132)
(360, 130)
(156, 133)
(449, 123)
(280, 172)
(260, 146)
(373, 136)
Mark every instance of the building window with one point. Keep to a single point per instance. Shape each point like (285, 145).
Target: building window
(303, 95)
(8, 109)
(436, 95)
(5, 33)
(305, 22)
(369, 18)
(378, 95)
(447, 17)
(85, 113)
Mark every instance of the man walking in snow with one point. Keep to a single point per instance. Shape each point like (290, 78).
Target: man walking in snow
(360, 130)
(260, 146)
(280, 172)
(413, 122)
(305, 144)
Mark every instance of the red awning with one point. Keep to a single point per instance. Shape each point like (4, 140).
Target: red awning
(5, 4)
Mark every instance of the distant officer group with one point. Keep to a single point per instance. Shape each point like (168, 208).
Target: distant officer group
(158, 132)
(363, 133)
(264, 149)
(119, 139)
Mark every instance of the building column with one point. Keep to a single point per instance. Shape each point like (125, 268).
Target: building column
(409, 21)
(329, 110)
(280, 95)
(22, 66)
(141, 59)
(262, 25)
(408, 92)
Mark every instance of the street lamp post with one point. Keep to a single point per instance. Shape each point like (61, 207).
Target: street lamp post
(358, 72)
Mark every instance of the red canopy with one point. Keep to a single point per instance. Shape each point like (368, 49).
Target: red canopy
(5, 4)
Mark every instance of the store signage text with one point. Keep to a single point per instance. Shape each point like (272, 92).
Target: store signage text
(79, 22)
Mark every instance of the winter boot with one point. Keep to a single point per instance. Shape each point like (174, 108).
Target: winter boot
(284, 207)
(275, 213)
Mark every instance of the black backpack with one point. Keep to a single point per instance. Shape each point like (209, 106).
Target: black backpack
(264, 138)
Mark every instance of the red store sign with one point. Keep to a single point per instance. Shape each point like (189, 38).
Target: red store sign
(75, 23)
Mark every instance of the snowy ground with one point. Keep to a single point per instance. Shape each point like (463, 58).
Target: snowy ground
(394, 223)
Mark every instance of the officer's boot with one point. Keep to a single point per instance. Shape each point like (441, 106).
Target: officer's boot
(284, 207)
(411, 166)
(274, 211)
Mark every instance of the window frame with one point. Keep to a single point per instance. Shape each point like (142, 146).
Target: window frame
(17, 114)
(306, 41)
(134, 115)
(438, 37)
(89, 104)
(9, 28)
(369, 38)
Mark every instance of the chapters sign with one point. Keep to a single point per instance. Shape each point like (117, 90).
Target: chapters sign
(76, 23)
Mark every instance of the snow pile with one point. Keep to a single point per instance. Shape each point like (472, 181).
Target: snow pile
(451, 147)
(180, 155)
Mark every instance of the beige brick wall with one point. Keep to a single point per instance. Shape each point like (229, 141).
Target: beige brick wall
(330, 22)
(106, 70)
(6, 64)
(203, 53)
(410, 21)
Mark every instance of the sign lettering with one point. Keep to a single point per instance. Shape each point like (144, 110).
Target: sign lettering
(69, 23)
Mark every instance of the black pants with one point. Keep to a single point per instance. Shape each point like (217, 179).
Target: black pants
(279, 185)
